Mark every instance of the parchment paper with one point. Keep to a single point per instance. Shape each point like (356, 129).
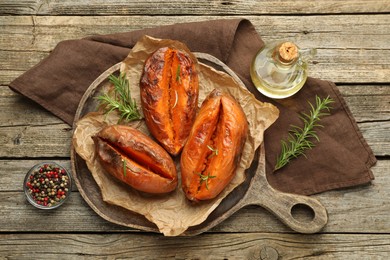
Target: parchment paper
(172, 213)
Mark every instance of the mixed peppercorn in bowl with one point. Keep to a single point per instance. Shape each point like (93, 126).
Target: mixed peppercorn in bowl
(47, 185)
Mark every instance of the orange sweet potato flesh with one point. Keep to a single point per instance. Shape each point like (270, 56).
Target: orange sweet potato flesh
(169, 97)
(135, 159)
(213, 150)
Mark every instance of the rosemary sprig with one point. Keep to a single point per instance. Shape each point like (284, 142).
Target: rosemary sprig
(178, 74)
(299, 138)
(124, 167)
(213, 150)
(204, 178)
(121, 100)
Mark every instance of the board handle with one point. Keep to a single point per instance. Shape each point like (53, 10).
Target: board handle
(282, 204)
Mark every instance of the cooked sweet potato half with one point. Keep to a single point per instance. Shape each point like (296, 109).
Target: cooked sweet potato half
(169, 96)
(135, 159)
(213, 150)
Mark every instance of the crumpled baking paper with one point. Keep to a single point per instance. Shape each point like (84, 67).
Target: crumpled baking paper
(172, 213)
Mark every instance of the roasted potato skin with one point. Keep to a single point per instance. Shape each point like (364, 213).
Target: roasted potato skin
(213, 150)
(135, 159)
(169, 87)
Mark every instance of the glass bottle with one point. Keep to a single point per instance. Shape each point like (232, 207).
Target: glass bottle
(279, 70)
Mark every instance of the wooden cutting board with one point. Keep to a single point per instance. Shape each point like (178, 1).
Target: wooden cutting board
(254, 191)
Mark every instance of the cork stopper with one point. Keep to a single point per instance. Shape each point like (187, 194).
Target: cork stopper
(288, 52)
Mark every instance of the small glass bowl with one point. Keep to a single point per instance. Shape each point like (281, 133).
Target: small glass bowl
(49, 175)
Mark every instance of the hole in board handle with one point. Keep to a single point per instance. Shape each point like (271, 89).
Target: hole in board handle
(302, 213)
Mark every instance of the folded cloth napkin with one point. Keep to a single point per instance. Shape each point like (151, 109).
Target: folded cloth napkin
(341, 159)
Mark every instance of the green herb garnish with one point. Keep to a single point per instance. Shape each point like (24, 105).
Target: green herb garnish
(124, 167)
(298, 138)
(178, 73)
(204, 178)
(214, 151)
(121, 100)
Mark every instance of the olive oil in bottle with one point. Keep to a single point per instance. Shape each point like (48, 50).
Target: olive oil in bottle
(280, 70)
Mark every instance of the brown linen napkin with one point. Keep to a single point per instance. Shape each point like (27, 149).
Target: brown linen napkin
(341, 159)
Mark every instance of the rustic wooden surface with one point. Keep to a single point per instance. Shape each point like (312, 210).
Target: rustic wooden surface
(353, 42)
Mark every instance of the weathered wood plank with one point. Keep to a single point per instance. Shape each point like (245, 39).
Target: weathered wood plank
(377, 140)
(350, 48)
(367, 102)
(208, 246)
(42, 33)
(200, 7)
(36, 140)
(361, 209)
(364, 90)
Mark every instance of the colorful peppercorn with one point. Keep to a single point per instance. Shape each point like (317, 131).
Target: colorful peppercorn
(48, 185)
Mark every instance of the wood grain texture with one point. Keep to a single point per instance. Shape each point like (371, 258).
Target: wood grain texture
(350, 48)
(367, 102)
(200, 7)
(329, 31)
(32, 140)
(361, 209)
(208, 246)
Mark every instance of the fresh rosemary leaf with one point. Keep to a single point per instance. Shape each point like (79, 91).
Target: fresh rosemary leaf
(300, 139)
(204, 178)
(213, 150)
(121, 100)
(178, 73)
(124, 167)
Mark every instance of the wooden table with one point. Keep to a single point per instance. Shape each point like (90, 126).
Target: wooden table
(353, 42)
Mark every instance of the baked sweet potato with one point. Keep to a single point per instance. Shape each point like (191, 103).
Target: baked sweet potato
(135, 159)
(169, 96)
(213, 150)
